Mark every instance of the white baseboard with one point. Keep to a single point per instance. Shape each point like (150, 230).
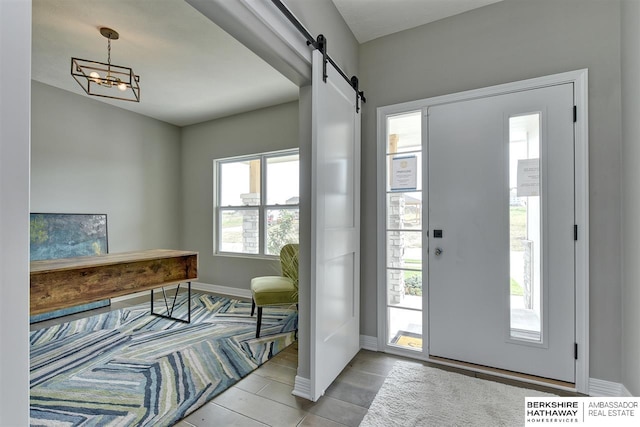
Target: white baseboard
(224, 290)
(602, 388)
(302, 388)
(368, 343)
(199, 286)
(130, 296)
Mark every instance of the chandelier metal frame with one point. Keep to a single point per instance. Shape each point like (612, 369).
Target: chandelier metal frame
(101, 78)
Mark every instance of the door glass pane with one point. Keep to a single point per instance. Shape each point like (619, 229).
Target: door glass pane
(404, 249)
(404, 288)
(404, 171)
(404, 133)
(404, 211)
(405, 328)
(525, 287)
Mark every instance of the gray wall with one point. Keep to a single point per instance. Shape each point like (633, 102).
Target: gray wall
(509, 41)
(631, 195)
(322, 17)
(269, 129)
(90, 157)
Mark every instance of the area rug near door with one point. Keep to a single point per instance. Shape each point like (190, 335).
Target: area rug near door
(416, 395)
(128, 368)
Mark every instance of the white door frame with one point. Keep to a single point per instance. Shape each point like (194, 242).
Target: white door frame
(579, 78)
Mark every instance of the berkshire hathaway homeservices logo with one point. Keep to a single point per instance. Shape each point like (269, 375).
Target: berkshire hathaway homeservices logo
(582, 411)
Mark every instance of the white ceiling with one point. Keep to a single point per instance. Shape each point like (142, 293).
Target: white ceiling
(190, 69)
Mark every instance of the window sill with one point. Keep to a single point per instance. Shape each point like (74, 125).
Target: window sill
(246, 256)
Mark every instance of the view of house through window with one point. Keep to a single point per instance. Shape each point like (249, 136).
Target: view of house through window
(257, 203)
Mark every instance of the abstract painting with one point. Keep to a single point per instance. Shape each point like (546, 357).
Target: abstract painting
(62, 235)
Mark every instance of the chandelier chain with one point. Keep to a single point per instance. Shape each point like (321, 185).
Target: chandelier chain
(108, 57)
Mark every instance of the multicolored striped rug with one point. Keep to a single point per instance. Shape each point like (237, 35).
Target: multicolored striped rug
(129, 368)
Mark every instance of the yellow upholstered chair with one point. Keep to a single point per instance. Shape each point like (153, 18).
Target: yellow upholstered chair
(277, 290)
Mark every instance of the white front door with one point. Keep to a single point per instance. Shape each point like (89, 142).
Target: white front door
(335, 227)
(501, 231)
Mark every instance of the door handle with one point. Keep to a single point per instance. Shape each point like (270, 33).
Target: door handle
(438, 251)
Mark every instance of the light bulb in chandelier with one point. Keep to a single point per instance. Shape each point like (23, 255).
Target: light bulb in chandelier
(95, 77)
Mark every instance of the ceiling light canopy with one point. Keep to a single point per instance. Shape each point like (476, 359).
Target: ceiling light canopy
(105, 79)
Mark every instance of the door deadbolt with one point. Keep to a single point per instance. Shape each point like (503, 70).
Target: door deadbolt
(438, 251)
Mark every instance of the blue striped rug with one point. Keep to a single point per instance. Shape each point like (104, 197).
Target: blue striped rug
(128, 368)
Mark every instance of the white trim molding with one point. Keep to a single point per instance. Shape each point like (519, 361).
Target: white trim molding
(368, 343)
(130, 296)
(302, 387)
(603, 388)
(223, 290)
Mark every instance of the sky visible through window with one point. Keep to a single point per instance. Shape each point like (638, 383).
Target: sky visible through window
(282, 182)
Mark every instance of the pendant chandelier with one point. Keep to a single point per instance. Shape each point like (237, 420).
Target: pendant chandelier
(105, 79)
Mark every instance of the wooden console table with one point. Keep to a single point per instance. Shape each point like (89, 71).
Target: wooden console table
(65, 282)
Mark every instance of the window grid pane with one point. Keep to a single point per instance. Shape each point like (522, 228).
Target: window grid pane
(282, 180)
(236, 232)
(283, 226)
(240, 183)
(404, 211)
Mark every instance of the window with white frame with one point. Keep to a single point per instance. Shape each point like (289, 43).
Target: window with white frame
(256, 203)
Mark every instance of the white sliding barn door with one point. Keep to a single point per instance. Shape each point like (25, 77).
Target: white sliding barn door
(335, 227)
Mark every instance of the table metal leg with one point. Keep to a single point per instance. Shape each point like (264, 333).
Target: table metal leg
(169, 314)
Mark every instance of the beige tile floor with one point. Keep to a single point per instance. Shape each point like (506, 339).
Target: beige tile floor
(264, 397)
